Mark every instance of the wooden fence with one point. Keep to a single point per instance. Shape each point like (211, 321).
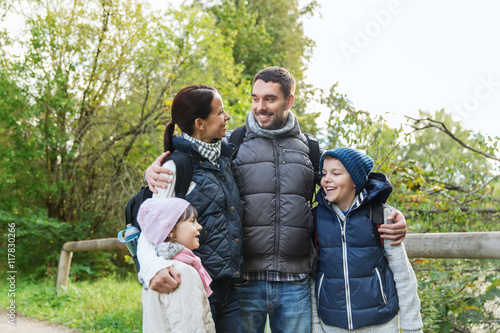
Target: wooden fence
(465, 245)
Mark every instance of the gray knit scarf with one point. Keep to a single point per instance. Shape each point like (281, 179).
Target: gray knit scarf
(271, 134)
(210, 151)
(168, 250)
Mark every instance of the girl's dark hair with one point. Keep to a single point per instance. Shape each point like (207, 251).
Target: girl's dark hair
(188, 213)
(190, 103)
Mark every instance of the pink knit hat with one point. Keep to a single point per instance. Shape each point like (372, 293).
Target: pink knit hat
(158, 216)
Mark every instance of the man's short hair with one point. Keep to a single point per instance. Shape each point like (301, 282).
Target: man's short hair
(277, 75)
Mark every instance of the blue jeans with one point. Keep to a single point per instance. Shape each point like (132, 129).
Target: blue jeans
(288, 305)
(224, 306)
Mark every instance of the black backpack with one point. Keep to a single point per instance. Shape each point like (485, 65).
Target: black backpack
(184, 171)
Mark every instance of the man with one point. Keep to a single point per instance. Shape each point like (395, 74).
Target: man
(276, 182)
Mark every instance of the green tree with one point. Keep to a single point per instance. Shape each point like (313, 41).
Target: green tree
(84, 108)
(262, 34)
(100, 76)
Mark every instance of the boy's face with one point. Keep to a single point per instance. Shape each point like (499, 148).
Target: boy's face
(337, 184)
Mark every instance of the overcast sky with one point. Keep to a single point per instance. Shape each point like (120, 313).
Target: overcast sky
(401, 56)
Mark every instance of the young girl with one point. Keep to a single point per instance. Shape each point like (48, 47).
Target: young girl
(360, 287)
(171, 225)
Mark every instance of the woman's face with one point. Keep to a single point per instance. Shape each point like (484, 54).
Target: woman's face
(214, 126)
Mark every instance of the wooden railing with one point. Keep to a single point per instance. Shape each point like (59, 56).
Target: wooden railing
(103, 244)
(466, 245)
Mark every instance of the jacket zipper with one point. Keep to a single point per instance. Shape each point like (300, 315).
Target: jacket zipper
(346, 273)
(384, 297)
(276, 212)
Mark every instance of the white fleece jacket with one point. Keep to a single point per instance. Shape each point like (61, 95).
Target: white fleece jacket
(185, 310)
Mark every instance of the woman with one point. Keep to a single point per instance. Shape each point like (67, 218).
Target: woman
(199, 112)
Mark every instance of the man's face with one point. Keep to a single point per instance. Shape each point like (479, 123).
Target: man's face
(269, 106)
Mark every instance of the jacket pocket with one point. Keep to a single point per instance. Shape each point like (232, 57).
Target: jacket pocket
(381, 286)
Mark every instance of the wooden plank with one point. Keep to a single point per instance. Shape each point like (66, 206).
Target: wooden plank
(94, 245)
(104, 244)
(466, 245)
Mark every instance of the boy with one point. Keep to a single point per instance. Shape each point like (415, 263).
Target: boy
(359, 286)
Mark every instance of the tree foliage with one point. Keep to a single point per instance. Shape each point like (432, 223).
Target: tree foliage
(97, 77)
(270, 33)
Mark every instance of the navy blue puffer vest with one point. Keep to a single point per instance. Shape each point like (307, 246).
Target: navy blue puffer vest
(355, 286)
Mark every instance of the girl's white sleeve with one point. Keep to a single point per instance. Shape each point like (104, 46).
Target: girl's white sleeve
(406, 285)
(149, 262)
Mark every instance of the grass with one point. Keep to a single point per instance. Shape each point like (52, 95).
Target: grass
(106, 305)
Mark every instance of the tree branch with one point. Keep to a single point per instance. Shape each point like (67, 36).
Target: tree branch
(442, 127)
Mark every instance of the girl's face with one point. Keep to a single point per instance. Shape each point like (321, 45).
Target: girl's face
(187, 232)
(337, 184)
(214, 126)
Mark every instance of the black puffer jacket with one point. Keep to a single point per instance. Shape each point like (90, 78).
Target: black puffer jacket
(276, 182)
(216, 199)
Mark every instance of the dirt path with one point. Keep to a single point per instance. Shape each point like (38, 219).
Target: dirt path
(29, 325)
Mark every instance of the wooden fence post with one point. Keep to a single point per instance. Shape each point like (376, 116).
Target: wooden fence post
(81, 246)
(63, 272)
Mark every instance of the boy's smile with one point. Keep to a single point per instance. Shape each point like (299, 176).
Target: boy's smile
(337, 184)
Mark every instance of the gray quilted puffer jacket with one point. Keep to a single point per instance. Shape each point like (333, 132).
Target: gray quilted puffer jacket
(276, 181)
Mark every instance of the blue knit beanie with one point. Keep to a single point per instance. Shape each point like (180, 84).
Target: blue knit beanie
(358, 165)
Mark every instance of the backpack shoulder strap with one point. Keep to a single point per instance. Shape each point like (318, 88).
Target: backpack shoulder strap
(314, 155)
(183, 173)
(236, 138)
(133, 205)
(377, 218)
